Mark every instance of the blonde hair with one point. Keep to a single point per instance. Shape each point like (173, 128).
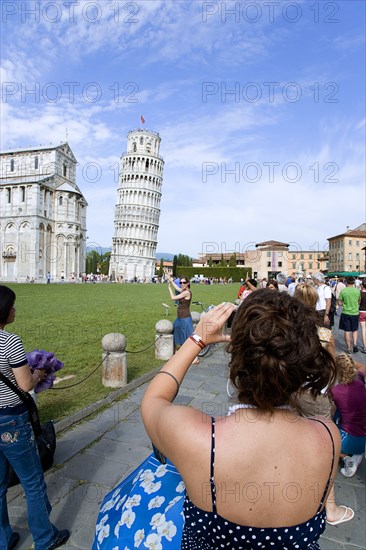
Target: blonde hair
(346, 370)
(306, 294)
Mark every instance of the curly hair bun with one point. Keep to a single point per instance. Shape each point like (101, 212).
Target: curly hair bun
(275, 351)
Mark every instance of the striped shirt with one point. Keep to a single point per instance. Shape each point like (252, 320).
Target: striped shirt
(12, 356)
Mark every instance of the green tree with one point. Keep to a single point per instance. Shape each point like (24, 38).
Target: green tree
(222, 261)
(232, 261)
(210, 263)
(175, 264)
(92, 260)
(184, 260)
(96, 262)
(161, 268)
(104, 263)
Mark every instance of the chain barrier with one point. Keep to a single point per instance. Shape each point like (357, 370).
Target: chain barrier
(101, 363)
(83, 380)
(148, 347)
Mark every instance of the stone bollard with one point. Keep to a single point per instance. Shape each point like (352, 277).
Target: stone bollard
(195, 318)
(164, 340)
(114, 368)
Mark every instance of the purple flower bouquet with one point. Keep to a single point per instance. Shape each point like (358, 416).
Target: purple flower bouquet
(41, 359)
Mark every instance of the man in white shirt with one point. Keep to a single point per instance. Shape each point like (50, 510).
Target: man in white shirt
(281, 279)
(292, 286)
(338, 288)
(324, 298)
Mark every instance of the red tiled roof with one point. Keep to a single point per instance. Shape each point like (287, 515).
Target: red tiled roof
(272, 243)
(350, 233)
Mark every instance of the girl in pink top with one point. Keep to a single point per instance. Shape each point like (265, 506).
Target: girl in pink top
(349, 396)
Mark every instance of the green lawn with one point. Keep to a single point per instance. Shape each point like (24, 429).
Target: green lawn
(71, 320)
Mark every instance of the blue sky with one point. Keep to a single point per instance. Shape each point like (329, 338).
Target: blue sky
(260, 106)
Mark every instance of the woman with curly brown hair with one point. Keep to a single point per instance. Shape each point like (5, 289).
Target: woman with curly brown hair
(247, 484)
(349, 396)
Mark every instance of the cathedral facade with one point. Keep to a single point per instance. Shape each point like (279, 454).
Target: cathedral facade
(137, 212)
(42, 215)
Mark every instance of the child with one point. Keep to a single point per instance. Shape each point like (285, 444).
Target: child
(349, 396)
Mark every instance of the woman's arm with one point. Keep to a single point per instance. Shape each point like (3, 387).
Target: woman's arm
(249, 284)
(25, 379)
(360, 367)
(159, 415)
(331, 346)
(184, 294)
(171, 282)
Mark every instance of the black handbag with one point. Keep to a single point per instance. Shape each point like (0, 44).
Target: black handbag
(45, 434)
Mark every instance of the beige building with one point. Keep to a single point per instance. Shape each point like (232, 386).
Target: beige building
(167, 266)
(270, 258)
(347, 251)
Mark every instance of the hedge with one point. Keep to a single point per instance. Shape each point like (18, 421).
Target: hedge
(236, 273)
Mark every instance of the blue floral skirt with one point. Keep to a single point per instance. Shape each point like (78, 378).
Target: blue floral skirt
(144, 511)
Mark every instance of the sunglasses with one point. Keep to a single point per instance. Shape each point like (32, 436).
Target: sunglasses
(184, 282)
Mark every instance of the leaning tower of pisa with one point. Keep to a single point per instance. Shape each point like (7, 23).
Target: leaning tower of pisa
(136, 219)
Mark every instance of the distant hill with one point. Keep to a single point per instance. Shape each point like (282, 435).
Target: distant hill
(103, 249)
(99, 249)
(166, 255)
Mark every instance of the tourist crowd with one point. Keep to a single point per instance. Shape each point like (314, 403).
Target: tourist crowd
(289, 383)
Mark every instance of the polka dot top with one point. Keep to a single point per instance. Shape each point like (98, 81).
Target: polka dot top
(209, 531)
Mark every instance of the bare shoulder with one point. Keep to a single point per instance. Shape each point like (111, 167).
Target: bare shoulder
(324, 430)
(183, 431)
(279, 430)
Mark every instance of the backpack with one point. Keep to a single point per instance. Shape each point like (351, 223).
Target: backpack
(333, 307)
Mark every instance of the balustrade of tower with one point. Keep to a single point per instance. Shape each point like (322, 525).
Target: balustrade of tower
(142, 231)
(129, 248)
(133, 181)
(142, 164)
(137, 198)
(133, 213)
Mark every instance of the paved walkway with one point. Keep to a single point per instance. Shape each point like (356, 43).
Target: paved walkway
(94, 455)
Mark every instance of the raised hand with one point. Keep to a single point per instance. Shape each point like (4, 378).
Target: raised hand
(210, 326)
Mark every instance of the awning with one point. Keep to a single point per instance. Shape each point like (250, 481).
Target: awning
(346, 274)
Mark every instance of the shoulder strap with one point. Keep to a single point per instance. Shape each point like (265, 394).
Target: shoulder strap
(212, 471)
(28, 401)
(22, 395)
(322, 500)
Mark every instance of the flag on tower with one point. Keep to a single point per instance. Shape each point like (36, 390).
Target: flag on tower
(142, 119)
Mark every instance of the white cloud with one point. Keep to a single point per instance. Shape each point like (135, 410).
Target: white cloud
(168, 54)
(32, 124)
